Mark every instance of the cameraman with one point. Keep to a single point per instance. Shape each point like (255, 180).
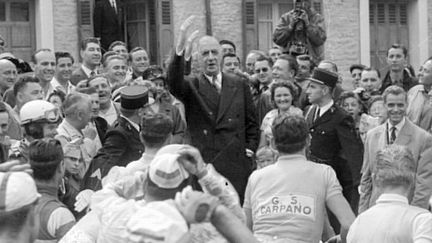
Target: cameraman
(301, 31)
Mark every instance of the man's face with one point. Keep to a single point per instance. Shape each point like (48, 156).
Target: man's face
(31, 91)
(250, 62)
(274, 53)
(315, 92)
(227, 48)
(94, 105)
(4, 125)
(263, 71)
(281, 70)
(116, 71)
(72, 164)
(64, 69)
(230, 65)
(8, 74)
(103, 88)
(45, 66)
(370, 80)
(395, 106)
(209, 55)
(121, 50)
(425, 73)
(85, 112)
(396, 59)
(356, 75)
(140, 61)
(91, 55)
(303, 68)
(50, 130)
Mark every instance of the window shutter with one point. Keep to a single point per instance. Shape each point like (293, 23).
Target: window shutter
(152, 49)
(403, 14)
(381, 13)
(166, 40)
(318, 7)
(250, 30)
(85, 18)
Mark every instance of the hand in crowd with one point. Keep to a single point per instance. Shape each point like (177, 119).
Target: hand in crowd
(83, 200)
(183, 31)
(192, 161)
(15, 165)
(249, 153)
(196, 207)
(304, 16)
(188, 45)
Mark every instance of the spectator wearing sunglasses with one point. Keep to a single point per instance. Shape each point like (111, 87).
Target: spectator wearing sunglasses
(261, 96)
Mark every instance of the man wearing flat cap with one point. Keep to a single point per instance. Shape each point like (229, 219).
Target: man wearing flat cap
(122, 143)
(334, 141)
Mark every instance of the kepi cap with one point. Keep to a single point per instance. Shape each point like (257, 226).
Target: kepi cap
(17, 190)
(165, 170)
(324, 77)
(133, 97)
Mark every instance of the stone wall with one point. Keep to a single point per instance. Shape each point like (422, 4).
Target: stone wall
(343, 35)
(66, 26)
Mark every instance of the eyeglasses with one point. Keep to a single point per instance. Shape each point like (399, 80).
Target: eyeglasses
(264, 70)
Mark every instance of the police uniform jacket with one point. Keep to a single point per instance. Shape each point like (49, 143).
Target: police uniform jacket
(335, 142)
(221, 125)
(122, 145)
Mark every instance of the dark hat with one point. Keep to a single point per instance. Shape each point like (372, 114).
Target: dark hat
(133, 97)
(324, 77)
(153, 72)
(357, 66)
(156, 126)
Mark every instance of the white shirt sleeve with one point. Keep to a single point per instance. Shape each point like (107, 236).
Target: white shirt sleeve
(59, 218)
(422, 228)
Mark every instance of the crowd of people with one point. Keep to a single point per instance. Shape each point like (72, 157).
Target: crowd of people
(114, 149)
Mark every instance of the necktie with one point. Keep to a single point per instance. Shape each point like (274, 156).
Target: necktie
(317, 114)
(215, 84)
(392, 134)
(114, 5)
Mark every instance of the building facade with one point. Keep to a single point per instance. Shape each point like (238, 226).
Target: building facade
(358, 31)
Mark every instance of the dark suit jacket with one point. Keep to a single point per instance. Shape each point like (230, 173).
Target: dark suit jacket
(107, 23)
(334, 139)
(122, 145)
(221, 126)
(78, 75)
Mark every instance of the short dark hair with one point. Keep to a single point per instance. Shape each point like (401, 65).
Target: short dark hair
(58, 93)
(398, 46)
(61, 54)
(265, 58)
(45, 156)
(33, 56)
(305, 57)
(394, 90)
(155, 129)
(222, 42)
(292, 62)
(116, 43)
(370, 69)
(357, 66)
(22, 82)
(283, 83)
(290, 133)
(86, 41)
(135, 49)
(229, 55)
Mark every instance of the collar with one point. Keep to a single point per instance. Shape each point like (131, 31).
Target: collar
(392, 197)
(73, 132)
(136, 126)
(87, 70)
(56, 84)
(218, 78)
(47, 189)
(398, 126)
(290, 157)
(325, 108)
(49, 91)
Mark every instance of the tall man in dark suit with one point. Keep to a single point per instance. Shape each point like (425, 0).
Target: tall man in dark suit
(107, 22)
(122, 143)
(219, 110)
(91, 57)
(334, 141)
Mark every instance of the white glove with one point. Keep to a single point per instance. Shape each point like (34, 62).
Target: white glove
(83, 200)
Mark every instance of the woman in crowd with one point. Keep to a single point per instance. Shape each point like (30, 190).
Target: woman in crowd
(352, 104)
(282, 95)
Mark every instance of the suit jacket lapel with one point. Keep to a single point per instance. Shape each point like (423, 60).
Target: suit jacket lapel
(208, 92)
(226, 95)
(310, 115)
(325, 117)
(404, 136)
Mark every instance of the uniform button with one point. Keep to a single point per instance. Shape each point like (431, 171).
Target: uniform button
(205, 132)
(229, 120)
(211, 113)
(312, 130)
